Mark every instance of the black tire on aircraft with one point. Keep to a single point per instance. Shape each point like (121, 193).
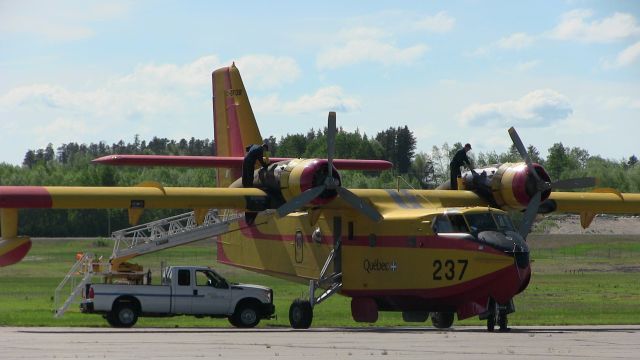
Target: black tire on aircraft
(503, 321)
(300, 314)
(492, 316)
(415, 316)
(442, 320)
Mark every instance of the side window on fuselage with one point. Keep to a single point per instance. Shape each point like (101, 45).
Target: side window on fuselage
(184, 277)
(442, 224)
(458, 224)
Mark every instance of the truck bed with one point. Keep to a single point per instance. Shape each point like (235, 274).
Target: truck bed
(152, 298)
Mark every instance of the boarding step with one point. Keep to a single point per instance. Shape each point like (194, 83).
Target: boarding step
(73, 283)
(170, 232)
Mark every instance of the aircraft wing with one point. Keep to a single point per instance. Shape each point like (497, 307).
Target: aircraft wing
(144, 196)
(224, 161)
(607, 201)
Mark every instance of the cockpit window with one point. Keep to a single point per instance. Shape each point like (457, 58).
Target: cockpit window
(442, 224)
(458, 225)
(504, 222)
(481, 222)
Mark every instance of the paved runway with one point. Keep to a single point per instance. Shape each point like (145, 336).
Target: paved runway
(544, 342)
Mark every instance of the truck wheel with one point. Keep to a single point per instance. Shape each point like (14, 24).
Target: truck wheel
(442, 320)
(300, 314)
(246, 316)
(126, 315)
(112, 319)
(232, 321)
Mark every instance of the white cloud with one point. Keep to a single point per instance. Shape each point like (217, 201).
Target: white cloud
(62, 130)
(330, 98)
(373, 39)
(537, 108)
(438, 23)
(516, 41)
(266, 71)
(367, 44)
(620, 102)
(59, 22)
(626, 57)
(576, 25)
(151, 91)
(527, 65)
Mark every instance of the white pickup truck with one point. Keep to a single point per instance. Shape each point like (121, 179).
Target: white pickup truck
(185, 290)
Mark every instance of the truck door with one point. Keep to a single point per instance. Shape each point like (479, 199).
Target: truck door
(182, 291)
(212, 294)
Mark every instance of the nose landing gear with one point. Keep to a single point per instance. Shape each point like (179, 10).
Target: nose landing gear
(497, 315)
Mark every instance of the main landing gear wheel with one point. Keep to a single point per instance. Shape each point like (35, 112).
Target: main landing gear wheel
(300, 314)
(442, 320)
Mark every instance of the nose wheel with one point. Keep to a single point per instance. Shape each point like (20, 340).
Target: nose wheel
(498, 315)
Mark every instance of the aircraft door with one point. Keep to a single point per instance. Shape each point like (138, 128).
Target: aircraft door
(337, 243)
(299, 246)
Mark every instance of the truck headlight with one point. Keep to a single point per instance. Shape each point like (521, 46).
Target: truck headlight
(269, 296)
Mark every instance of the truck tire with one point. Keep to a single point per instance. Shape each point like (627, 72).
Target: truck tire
(245, 316)
(125, 315)
(232, 321)
(300, 314)
(112, 319)
(442, 320)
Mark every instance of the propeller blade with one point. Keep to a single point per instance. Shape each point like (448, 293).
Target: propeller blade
(576, 183)
(359, 204)
(331, 140)
(300, 200)
(530, 215)
(523, 152)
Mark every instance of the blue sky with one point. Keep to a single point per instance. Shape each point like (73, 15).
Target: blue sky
(90, 71)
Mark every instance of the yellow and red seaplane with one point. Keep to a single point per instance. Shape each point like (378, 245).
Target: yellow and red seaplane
(420, 252)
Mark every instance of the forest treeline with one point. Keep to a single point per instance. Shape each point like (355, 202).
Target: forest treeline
(70, 165)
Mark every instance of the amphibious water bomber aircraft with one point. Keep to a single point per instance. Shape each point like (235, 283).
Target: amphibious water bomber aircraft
(424, 253)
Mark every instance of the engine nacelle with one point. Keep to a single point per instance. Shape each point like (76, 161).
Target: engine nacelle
(288, 179)
(508, 186)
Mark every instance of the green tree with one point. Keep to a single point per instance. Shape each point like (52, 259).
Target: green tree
(557, 161)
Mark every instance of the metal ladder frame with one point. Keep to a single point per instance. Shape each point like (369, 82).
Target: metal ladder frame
(84, 267)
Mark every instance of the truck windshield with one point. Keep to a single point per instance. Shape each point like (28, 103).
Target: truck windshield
(210, 278)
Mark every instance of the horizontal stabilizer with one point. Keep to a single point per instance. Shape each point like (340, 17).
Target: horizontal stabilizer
(224, 161)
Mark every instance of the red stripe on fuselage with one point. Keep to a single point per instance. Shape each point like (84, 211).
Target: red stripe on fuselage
(501, 285)
(24, 197)
(397, 241)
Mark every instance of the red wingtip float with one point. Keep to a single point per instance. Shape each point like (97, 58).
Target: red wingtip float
(12, 251)
(225, 162)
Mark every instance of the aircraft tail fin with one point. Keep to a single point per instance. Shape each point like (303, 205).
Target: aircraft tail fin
(234, 124)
